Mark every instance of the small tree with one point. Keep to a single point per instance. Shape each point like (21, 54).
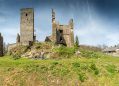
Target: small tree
(76, 41)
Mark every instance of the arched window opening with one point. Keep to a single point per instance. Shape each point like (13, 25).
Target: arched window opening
(26, 14)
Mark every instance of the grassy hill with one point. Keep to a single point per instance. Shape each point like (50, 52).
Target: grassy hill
(92, 69)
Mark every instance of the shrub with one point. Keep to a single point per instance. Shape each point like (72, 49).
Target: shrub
(55, 63)
(15, 57)
(83, 55)
(83, 67)
(46, 69)
(118, 71)
(76, 64)
(96, 72)
(86, 55)
(51, 67)
(28, 46)
(42, 66)
(36, 65)
(93, 66)
(76, 47)
(10, 53)
(112, 65)
(111, 70)
(82, 76)
(89, 70)
(63, 50)
(64, 72)
(89, 57)
(39, 43)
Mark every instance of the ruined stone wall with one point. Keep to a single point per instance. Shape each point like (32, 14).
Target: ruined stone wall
(49, 39)
(10, 46)
(27, 25)
(62, 34)
(18, 38)
(72, 39)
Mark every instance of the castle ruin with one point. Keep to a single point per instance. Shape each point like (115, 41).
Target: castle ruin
(26, 36)
(61, 34)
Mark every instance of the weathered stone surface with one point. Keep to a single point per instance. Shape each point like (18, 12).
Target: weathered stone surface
(27, 25)
(23, 50)
(51, 57)
(18, 38)
(26, 36)
(61, 34)
(48, 39)
(47, 52)
(77, 51)
(37, 55)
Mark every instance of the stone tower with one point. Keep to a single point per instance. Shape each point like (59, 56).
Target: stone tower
(27, 25)
(54, 36)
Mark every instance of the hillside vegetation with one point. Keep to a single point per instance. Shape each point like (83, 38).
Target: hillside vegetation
(69, 69)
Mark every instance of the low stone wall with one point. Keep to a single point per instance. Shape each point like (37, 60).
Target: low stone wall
(19, 44)
(11, 46)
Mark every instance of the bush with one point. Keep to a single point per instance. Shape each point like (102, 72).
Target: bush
(89, 70)
(28, 46)
(15, 57)
(46, 69)
(10, 53)
(42, 66)
(93, 66)
(76, 47)
(55, 63)
(118, 71)
(64, 72)
(63, 50)
(39, 43)
(82, 77)
(96, 72)
(86, 55)
(83, 67)
(36, 65)
(111, 70)
(76, 64)
(51, 67)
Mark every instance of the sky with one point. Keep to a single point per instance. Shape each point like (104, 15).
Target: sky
(96, 22)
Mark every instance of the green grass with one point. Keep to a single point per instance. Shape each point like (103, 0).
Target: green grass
(70, 71)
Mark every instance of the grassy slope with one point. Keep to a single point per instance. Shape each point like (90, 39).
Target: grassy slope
(24, 72)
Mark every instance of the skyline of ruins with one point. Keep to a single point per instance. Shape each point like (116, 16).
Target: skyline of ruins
(95, 22)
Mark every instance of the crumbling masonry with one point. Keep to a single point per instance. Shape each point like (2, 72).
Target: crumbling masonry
(61, 34)
(26, 36)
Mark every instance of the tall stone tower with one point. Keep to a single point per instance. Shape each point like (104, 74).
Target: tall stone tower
(27, 25)
(54, 32)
